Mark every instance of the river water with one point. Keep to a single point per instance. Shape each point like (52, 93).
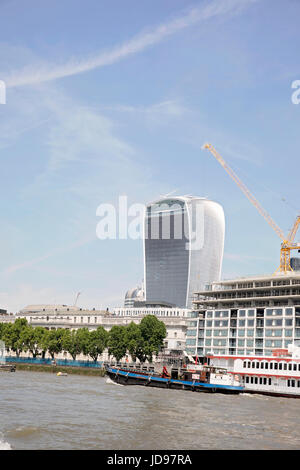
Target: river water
(42, 411)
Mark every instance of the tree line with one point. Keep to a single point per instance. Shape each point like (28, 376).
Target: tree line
(141, 340)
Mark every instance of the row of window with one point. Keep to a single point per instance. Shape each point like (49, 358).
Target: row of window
(159, 313)
(246, 333)
(242, 323)
(241, 343)
(250, 313)
(258, 380)
(268, 381)
(272, 365)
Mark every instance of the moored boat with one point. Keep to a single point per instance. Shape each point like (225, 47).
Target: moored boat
(7, 367)
(276, 375)
(197, 378)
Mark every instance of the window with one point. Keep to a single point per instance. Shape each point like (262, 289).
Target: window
(191, 342)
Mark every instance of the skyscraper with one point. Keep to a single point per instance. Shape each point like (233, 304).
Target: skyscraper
(183, 248)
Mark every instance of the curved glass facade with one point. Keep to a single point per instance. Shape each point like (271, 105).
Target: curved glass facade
(184, 240)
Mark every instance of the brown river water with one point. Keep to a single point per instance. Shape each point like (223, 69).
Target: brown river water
(42, 411)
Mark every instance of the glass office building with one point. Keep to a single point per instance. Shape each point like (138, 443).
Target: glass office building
(183, 248)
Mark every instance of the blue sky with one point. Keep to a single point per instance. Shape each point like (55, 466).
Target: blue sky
(116, 98)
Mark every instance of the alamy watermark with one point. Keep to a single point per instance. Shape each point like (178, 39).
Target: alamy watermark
(2, 92)
(296, 94)
(162, 221)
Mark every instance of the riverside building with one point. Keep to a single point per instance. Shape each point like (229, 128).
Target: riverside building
(183, 248)
(73, 317)
(246, 316)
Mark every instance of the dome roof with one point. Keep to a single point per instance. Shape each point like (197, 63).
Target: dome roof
(136, 293)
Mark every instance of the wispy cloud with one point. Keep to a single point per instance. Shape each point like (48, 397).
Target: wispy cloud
(46, 72)
(28, 264)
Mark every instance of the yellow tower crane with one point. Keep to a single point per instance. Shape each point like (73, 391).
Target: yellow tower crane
(287, 242)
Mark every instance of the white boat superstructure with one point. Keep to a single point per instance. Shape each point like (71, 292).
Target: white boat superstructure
(277, 375)
(217, 375)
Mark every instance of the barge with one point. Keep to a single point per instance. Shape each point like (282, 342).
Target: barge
(196, 378)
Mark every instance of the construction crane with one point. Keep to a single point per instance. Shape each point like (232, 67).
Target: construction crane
(78, 294)
(287, 242)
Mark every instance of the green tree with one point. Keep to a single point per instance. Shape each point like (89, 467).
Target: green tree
(135, 342)
(13, 336)
(82, 335)
(55, 341)
(28, 339)
(117, 344)
(72, 343)
(42, 337)
(6, 335)
(153, 332)
(2, 327)
(97, 342)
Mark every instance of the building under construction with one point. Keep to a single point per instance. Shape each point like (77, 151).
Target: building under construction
(254, 315)
(246, 316)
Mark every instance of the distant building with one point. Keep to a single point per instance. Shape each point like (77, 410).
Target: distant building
(183, 248)
(134, 295)
(72, 317)
(295, 264)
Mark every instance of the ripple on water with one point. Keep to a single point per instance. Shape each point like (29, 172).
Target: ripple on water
(40, 412)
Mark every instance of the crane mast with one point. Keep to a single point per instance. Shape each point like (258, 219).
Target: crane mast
(287, 242)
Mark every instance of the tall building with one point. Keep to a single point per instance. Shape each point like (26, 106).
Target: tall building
(246, 316)
(183, 248)
(295, 264)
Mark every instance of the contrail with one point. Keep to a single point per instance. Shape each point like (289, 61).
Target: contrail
(215, 8)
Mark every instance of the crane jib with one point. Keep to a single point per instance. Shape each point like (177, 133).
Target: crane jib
(287, 242)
